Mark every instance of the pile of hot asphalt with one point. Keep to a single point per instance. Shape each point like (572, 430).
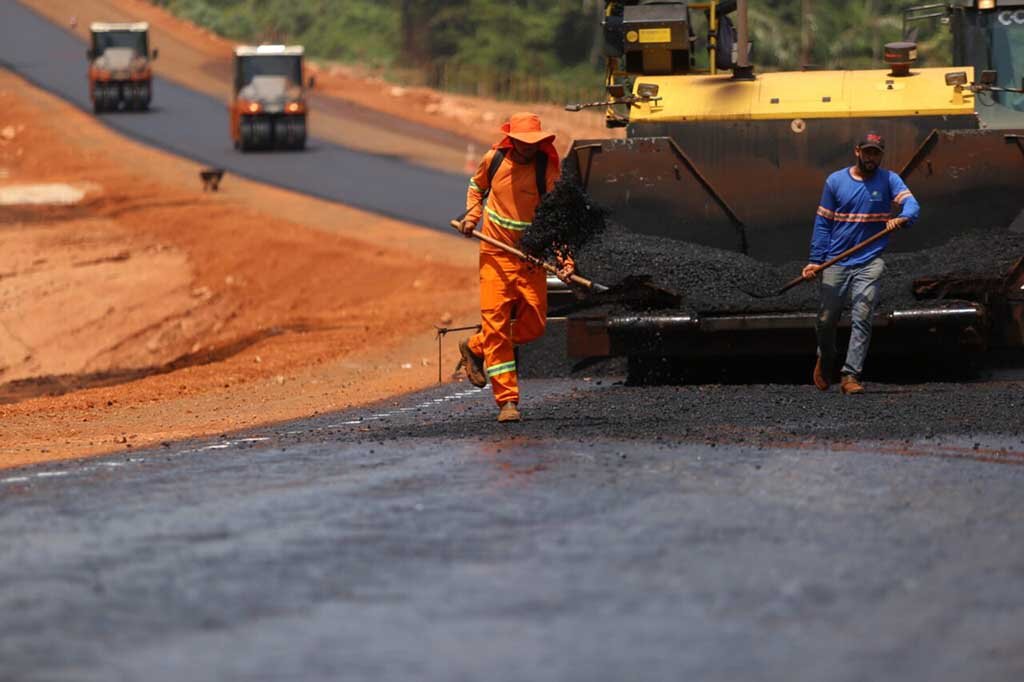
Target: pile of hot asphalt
(565, 221)
(712, 280)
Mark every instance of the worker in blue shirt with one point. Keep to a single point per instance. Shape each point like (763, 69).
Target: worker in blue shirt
(857, 203)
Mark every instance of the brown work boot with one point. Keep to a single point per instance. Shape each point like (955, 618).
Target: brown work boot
(850, 385)
(509, 412)
(474, 365)
(820, 380)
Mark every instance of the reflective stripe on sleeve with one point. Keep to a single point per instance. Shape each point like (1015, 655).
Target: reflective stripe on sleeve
(474, 186)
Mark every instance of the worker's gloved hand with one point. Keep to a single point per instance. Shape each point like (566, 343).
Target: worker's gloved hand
(810, 271)
(895, 223)
(566, 265)
(467, 227)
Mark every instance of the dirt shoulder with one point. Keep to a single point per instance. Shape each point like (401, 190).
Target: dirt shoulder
(159, 312)
(350, 106)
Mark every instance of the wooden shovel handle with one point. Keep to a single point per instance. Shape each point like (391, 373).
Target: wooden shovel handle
(532, 260)
(832, 261)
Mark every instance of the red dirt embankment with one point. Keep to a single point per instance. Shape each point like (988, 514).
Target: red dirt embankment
(168, 312)
(148, 311)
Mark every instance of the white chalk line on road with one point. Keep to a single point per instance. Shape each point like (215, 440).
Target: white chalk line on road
(227, 444)
(426, 404)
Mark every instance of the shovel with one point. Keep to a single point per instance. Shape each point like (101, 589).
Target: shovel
(829, 263)
(533, 260)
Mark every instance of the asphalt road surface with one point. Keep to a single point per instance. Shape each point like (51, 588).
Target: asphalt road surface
(619, 533)
(195, 126)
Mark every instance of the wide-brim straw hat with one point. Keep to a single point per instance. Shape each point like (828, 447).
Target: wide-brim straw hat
(526, 127)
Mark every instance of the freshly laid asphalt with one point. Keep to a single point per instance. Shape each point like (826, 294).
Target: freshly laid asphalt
(656, 533)
(195, 126)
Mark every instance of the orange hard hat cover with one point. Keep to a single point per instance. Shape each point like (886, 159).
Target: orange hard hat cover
(525, 127)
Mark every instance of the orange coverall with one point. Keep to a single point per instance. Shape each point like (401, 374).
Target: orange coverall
(506, 283)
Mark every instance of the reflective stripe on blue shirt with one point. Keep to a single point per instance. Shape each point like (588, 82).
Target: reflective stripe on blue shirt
(853, 210)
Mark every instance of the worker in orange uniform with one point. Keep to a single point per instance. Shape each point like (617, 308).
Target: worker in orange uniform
(513, 176)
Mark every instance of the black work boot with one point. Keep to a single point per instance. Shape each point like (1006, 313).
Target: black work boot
(474, 365)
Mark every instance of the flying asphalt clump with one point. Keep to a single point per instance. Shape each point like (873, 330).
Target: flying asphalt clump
(566, 220)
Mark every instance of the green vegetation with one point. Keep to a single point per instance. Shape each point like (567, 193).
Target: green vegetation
(518, 47)
(346, 30)
(838, 35)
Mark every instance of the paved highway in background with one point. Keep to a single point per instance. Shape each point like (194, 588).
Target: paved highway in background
(195, 126)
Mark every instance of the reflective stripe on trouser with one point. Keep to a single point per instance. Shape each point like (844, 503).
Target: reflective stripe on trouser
(863, 285)
(508, 286)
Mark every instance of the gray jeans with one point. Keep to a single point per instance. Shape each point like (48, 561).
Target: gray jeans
(863, 286)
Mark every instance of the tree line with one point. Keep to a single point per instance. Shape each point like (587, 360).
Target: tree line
(558, 38)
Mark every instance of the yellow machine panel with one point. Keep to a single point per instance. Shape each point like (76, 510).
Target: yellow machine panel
(809, 94)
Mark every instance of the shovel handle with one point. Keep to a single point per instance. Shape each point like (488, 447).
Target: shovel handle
(832, 261)
(794, 282)
(532, 260)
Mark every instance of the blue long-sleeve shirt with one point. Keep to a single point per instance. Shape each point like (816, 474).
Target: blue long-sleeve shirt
(852, 210)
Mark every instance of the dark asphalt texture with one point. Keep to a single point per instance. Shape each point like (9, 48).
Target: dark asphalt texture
(706, 533)
(713, 280)
(195, 126)
(659, 533)
(566, 220)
